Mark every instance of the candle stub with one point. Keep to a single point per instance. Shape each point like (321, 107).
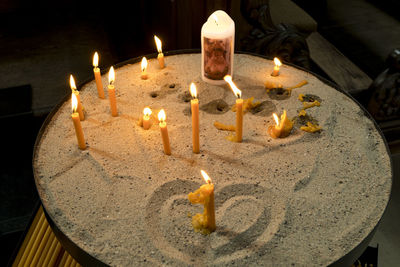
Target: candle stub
(146, 118)
(204, 223)
(144, 69)
(217, 47)
(282, 127)
(160, 56)
(278, 63)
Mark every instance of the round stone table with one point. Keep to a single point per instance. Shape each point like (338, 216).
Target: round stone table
(304, 200)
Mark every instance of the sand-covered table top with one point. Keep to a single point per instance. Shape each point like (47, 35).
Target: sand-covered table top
(307, 199)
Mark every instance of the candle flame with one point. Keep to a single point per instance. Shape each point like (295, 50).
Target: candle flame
(235, 90)
(111, 75)
(144, 64)
(147, 112)
(215, 18)
(277, 62)
(72, 83)
(95, 60)
(276, 119)
(161, 116)
(193, 90)
(158, 44)
(74, 102)
(207, 178)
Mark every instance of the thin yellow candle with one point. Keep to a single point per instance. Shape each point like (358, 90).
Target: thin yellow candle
(239, 108)
(46, 249)
(41, 246)
(160, 56)
(63, 259)
(111, 92)
(146, 118)
(78, 98)
(29, 236)
(77, 124)
(68, 261)
(97, 75)
(278, 63)
(54, 257)
(282, 127)
(143, 66)
(50, 252)
(164, 132)
(35, 245)
(204, 223)
(194, 103)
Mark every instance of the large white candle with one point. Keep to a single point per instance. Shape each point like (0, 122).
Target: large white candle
(217, 47)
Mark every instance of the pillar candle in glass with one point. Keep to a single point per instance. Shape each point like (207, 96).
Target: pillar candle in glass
(217, 47)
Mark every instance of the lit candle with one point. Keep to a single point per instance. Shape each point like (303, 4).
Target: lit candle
(144, 69)
(77, 124)
(239, 108)
(194, 103)
(217, 47)
(111, 92)
(278, 63)
(160, 56)
(164, 132)
(282, 127)
(76, 93)
(146, 118)
(204, 223)
(97, 75)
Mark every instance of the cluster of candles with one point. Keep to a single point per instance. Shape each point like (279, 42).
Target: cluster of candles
(205, 194)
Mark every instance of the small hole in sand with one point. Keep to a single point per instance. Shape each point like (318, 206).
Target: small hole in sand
(217, 106)
(153, 94)
(172, 85)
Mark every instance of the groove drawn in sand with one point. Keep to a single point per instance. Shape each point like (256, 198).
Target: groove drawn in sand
(258, 215)
(302, 183)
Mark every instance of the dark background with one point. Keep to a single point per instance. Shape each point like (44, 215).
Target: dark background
(43, 42)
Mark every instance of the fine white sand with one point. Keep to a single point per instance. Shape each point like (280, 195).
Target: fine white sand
(304, 200)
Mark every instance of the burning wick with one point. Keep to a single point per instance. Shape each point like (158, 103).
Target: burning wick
(194, 105)
(204, 223)
(144, 69)
(239, 108)
(278, 63)
(146, 118)
(111, 92)
(160, 56)
(164, 132)
(97, 75)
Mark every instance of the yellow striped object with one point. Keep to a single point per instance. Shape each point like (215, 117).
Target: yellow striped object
(41, 247)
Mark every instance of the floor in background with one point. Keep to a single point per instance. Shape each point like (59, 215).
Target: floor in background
(365, 31)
